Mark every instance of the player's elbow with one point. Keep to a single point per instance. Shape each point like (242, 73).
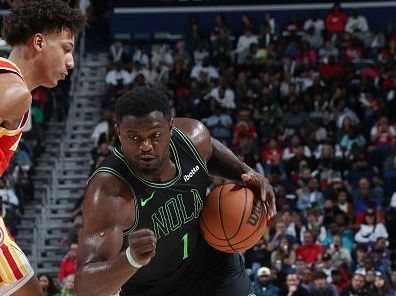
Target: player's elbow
(82, 285)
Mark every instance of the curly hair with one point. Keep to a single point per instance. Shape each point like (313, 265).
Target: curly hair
(40, 16)
(141, 101)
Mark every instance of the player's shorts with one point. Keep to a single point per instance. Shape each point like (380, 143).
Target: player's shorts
(15, 270)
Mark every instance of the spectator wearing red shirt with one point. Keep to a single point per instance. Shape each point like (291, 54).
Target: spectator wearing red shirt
(272, 154)
(336, 20)
(69, 263)
(331, 69)
(309, 251)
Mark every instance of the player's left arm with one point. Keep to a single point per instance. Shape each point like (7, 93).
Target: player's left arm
(223, 163)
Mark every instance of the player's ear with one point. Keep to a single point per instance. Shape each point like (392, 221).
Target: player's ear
(39, 41)
(171, 124)
(117, 129)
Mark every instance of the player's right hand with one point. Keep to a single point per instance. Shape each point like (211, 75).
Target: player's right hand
(142, 244)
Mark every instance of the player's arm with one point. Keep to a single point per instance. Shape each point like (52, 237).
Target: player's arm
(102, 268)
(15, 99)
(222, 162)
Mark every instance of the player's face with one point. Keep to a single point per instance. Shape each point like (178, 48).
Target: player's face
(145, 141)
(56, 57)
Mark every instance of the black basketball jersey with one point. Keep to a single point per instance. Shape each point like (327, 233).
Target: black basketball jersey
(184, 263)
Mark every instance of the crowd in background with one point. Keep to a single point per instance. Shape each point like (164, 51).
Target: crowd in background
(310, 104)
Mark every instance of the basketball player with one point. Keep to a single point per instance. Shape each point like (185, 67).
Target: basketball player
(41, 33)
(140, 215)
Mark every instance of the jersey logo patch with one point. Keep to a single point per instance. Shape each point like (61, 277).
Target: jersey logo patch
(144, 201)
(191, 173)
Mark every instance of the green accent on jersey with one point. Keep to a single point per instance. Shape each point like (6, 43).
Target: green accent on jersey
(172, 215)
(193, 149)
(143, 201)
(185, 246)
(115, 173)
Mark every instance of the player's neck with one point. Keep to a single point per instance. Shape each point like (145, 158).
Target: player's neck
(25, 63)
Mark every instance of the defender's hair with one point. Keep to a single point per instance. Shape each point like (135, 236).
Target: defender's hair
(29, 17)
(142, 101)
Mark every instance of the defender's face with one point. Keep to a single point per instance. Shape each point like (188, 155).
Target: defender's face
(145, 140)
(55, 57)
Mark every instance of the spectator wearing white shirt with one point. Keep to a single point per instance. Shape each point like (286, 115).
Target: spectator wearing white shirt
(118, 76)
(370, 231)
(161, 54)
(219, 123)
(357, 24)
(223, 95)
(243, 45)
(140, 56)
(315, 22)
(204, 72)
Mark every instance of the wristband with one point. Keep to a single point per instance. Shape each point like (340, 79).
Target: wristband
(131, 260)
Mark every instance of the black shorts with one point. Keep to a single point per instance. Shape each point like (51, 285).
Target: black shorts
(229, 279)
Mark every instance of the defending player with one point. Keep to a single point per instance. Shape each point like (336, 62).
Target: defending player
(42, 35)
(140, 214)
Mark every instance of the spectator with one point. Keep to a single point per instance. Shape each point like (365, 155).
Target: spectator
(293, 287)
(68, 287)
(68, 264)
(370, 231)
(321, 287)
(357, 285)
(357, 24)
(336, 20)
(47, 285)
(264, 286)
(340, 255)
(381, 286)
(310, 251)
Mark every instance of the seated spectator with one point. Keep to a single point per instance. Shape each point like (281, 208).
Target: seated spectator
(47, 285)
(357, 286)
(283, 255)
(272, 155)
(118, 53)
(321, 286)
(310, 197)
(343, 202)
(331, 70)
(68, 287)
(263, 285)
(243, 44)
(335, 20)
(381, 285)
(161, 54)
(219, 123)
(357, 24)
(223, 95)
(204, 72)
(310, 251)
(140, 56)
(340, 256)
(370, 231)
(69, 263)
(293, 287)
(118, 76)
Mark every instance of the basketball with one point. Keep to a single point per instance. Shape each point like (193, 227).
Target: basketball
(232, 219)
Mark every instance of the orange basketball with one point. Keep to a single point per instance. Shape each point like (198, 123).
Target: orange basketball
(232, 219)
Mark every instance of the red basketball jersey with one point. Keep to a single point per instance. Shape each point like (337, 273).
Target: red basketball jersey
(9, 139)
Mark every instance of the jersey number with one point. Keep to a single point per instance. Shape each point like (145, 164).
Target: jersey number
(185, 246)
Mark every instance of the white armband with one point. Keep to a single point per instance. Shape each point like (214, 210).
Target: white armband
(131, 260)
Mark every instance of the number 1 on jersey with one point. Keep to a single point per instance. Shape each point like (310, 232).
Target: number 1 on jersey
(185, 246)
